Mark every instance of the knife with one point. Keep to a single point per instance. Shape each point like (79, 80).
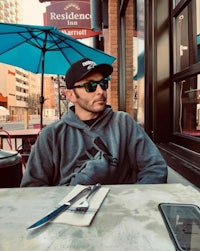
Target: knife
(59, 210)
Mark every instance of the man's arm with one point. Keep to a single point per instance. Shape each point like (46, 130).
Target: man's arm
(152, 168)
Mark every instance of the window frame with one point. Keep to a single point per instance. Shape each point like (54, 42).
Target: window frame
(187, 141)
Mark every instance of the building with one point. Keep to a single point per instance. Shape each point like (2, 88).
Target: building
(19, 89)
(19, 92)
(171, 74)
(16, 84)
(156, 73)
(10, 11)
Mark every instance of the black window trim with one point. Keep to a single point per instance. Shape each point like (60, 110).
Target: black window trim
(187, 141)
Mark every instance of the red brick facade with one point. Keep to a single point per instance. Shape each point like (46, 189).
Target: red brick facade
(129, 58)
(111, 46)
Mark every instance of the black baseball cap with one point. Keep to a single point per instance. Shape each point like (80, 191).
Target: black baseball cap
(82, 68)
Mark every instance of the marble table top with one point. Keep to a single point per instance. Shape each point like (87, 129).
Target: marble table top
(128, 219)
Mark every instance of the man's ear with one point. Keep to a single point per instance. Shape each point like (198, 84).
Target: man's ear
(70, 95)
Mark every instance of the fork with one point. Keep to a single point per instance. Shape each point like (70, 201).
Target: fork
(84, 205)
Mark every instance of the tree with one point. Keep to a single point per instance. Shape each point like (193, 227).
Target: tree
(33, 103)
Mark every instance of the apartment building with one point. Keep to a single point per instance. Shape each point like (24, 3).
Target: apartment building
(10, 11)
(18, 91)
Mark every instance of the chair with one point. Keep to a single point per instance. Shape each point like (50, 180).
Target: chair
(10, 169)
(8, 138)
(24, 149)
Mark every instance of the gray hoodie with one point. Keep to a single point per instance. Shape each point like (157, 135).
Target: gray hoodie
(113, 150)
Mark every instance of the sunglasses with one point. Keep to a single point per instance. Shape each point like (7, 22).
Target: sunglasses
(92, 85)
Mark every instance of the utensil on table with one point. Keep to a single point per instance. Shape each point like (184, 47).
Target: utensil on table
(84, 205)
(60, 209)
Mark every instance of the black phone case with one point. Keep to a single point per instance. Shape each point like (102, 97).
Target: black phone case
(171, 231)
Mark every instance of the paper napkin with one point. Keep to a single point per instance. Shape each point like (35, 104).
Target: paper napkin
(72, 217)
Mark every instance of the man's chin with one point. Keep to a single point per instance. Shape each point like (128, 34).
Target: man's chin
(100, 107)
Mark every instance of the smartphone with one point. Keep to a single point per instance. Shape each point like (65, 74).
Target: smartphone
(183, 224)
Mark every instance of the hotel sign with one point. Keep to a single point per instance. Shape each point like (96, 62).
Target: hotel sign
(71, 17)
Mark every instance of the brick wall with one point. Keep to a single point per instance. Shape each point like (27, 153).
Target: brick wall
(129, 57)
(111, 47)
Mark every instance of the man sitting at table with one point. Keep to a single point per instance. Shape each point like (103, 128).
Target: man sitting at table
(92, 143)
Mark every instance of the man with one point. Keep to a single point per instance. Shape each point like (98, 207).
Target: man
(92, 143)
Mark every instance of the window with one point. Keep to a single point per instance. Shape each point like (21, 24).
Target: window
(181, 52)
(138, 62)
(185, 37)
(188, 106)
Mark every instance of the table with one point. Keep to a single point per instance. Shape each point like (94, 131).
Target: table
(128, 219)
(19, 134)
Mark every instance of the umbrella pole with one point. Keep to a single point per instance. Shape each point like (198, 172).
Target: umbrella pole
(41, 102)
(42, 93)
(42, 82)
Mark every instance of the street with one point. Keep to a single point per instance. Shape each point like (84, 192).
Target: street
(17, 125)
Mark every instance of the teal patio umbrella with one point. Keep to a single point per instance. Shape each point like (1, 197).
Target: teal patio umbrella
(44, 50)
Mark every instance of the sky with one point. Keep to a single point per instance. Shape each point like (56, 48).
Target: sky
(33, 11)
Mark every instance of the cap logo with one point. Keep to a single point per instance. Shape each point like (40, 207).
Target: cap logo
(89, 64)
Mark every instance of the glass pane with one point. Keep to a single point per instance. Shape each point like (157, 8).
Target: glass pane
(187, 117)
(138, 64)
(181, 51)
(198, 29)
(177, 1)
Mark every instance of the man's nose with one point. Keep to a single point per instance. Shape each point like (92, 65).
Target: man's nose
(99, 89)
